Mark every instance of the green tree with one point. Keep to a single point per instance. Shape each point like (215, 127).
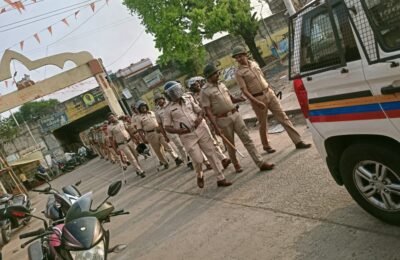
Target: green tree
(34, 110)
(180, 26)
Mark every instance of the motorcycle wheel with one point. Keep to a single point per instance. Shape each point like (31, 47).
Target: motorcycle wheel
(6, 234)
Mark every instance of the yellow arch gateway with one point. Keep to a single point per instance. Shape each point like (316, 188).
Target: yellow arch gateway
(86, 67)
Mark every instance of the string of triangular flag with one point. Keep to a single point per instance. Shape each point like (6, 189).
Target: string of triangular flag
(49, 28)
(17, 5)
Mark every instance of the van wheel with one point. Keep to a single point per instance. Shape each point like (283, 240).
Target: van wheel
(371, 174)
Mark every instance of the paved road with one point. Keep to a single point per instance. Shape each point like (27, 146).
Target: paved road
(293, 212)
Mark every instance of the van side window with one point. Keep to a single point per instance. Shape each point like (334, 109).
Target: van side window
(318, 43)
(384, 15)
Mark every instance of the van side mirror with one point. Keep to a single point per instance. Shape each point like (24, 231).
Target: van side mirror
(114, 188)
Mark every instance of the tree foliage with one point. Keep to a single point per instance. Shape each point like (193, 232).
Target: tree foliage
(33, 110)
(180, 26)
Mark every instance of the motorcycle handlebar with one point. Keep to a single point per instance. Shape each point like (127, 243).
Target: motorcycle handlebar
(32, 234)
(48, 189)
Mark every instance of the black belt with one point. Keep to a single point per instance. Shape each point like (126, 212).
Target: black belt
(151, 131)
(259, 93)
(127, 141)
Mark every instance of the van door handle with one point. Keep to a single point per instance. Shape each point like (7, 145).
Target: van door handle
(344, 70)
(390, 90)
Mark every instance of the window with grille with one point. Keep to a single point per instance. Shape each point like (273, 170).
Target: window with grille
(384, 16)
(327, 40)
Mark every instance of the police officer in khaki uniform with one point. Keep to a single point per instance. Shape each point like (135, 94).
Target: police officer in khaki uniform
(254, 86)
(92, 141)
(195, 85)
(105, 142)
(218, 104)
(122, 142)
(149, 129)
(162, 104)
(185, 118)
(114, 156)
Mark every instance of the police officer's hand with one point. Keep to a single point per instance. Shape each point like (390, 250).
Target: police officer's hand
(261, 105)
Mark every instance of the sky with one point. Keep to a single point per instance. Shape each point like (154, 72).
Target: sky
(111, 33)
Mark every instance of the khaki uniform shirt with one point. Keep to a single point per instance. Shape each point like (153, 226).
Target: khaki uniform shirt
(251, 77)
(217, 97)
(119, 132)
(160, 113)
(147, 121)
(185, 113)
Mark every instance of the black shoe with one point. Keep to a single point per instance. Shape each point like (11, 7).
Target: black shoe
(302, 145)
(142, 175)
(190, 165)
(178, 161)
(166, 166)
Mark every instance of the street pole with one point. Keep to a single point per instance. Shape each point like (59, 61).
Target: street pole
(289, 7)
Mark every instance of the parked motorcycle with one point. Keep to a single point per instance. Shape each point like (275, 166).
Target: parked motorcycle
(11, 221)
(82, 236)
(58, 203)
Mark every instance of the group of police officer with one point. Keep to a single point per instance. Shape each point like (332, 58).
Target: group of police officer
(192, 121)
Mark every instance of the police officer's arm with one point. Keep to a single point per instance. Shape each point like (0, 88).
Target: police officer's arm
(161, 127)
(206, 104)
(197, 109)
(213, 120)
(245, 91)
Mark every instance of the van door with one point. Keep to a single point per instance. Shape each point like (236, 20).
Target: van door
(383, 74)
(331, 65)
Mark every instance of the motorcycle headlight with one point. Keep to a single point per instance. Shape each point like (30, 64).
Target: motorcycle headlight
(94, 253)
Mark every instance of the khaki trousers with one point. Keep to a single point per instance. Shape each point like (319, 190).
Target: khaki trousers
(221, 156)
(174, 138)
(234, 124)
(272, 103)
(115, 157)
(157, 142)
(198, 142)
(126, 149)
(95, 148)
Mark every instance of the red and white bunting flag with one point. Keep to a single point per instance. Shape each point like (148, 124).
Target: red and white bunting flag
(65, 21)
(19, 6)
(37, 37)
(50, 30)
(6, 82)
(92, 5)
(3, 10)
(76, 14)
(21, 45)
(10, 3)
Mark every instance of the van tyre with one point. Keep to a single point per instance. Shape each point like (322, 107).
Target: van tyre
(371, 174)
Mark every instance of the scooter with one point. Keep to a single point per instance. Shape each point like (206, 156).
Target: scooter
(82, 236)
(10, 221)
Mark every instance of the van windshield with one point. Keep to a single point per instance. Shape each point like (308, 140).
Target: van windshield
(385, 18)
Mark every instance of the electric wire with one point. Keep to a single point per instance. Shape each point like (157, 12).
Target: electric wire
(126, 51)
(44, 18)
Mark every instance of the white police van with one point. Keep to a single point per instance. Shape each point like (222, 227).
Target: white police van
(344, 65)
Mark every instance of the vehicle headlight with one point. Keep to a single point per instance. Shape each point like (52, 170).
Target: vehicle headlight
(94, 253)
